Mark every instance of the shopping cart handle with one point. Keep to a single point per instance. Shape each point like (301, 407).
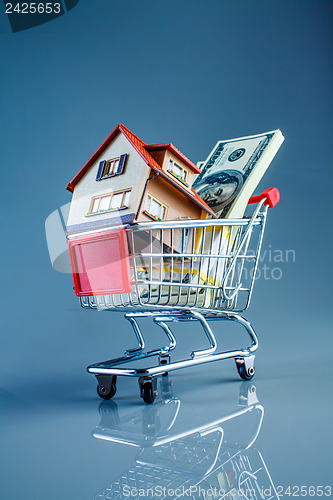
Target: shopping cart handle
(271, 196)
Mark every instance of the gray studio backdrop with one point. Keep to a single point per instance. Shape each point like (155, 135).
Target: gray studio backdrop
(190, 73)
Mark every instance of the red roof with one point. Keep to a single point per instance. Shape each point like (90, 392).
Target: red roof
(143, 150)
(170, 147)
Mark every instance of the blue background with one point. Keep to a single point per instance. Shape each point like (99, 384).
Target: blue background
(190, 73)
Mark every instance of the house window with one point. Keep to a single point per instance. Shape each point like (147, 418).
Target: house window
(108, 202)
(179, 172)
(109, 168)
(154, 208)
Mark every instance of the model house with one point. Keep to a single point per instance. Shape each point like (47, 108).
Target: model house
(126, 181)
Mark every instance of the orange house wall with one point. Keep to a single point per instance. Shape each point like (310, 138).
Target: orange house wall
(179, 205)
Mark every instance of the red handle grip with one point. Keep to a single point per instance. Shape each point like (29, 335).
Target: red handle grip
(271, 197)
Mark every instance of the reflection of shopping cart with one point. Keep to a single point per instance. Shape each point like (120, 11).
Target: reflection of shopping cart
(212, 458)
(180, 271)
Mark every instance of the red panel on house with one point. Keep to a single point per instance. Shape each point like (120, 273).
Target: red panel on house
(100, 263)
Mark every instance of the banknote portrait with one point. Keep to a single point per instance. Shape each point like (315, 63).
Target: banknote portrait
(219, 189)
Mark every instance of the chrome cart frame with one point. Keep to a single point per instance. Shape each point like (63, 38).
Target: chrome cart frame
(185, 271)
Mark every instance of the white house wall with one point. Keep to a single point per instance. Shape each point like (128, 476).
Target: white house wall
(134, 177)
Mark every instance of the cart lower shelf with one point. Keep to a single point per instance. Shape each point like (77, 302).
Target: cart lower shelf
(107, 372)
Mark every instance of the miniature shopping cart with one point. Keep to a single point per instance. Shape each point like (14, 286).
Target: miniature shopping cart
(199, 271)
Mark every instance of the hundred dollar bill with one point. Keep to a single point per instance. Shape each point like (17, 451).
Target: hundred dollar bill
(233, 170)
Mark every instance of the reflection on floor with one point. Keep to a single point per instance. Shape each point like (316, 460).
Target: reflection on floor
(177, 458)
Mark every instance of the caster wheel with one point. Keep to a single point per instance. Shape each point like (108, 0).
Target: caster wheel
(107, 389)
(148, 389)
(245, 372)
(147, 393)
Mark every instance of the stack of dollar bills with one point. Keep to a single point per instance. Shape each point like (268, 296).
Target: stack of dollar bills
(229, 176)
(233, 170)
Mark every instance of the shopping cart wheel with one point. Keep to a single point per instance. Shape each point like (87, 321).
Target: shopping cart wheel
(148, 389)
(245, 367)
(107, 386)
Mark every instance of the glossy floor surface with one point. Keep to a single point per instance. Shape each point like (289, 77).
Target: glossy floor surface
(207, 434)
